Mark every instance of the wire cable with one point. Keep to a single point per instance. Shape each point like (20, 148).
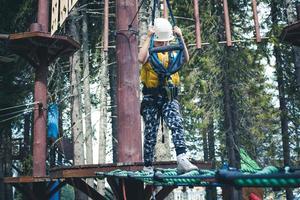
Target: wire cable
(14, 116)
(18, 106)
(15, 112)
(130, 25)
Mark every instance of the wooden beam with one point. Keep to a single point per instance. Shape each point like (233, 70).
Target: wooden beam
(115, 186)
(26, 179)
(89, 171)
(85, 188)
(164, 192)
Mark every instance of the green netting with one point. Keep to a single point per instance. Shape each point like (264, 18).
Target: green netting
(250, 175)
(164, 176)
(270, 182)
(247, 163)
(267, 177)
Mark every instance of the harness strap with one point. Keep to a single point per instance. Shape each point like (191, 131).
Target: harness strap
(171, 12)
(175, 63)
(155, 3)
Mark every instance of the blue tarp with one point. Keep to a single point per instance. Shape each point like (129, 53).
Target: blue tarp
(53, 121)
(55, 196)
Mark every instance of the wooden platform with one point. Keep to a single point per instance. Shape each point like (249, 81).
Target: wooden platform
(30, 45)
(291, 34)
(39, 187)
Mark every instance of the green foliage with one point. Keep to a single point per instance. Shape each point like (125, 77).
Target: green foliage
(257, 119)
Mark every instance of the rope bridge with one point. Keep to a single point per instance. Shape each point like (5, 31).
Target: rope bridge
(268, 177)
(250, 175)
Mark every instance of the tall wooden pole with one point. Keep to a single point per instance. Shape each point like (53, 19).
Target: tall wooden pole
(227, 23)
(43, 14)
(128, 117)
(105, 31)
(256, 23)
(40, 95)
(197, 25)
(165, 11)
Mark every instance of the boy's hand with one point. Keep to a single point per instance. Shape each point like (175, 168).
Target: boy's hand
(177, 31)
(151, 31)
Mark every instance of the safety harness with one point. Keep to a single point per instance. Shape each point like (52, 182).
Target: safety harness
(176, 59)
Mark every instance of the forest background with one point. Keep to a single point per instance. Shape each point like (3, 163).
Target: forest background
(244, 96)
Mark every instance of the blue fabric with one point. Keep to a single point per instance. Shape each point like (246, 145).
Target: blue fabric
(53, 121)
(55, 196)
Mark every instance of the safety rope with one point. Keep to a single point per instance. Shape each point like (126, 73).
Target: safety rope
(155, 4)
(141, 4)
(268, 177)
(10, 118)
(18, 106)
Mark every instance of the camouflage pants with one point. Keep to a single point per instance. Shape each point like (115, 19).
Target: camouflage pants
(151, 110)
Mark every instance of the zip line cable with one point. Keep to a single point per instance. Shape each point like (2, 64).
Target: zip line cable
(15, 112)
(18, 106)
(15, 116)
(141, 4)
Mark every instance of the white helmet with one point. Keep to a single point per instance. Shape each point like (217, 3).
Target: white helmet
(163, 30)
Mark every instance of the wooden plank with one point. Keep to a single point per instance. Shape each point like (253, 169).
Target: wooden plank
(85, 188)
(54, 16)
(63, 11)
(115, 186)
(164, 192)
(72, 4)
(134, 189)
(148, 192)
(26, 179)
(89, 171)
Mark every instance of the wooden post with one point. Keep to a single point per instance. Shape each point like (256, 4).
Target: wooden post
(128, 105)
(40, 95)
(105, 31)
(165, 11)
(256, 23)
(197, 25)
(227, 23)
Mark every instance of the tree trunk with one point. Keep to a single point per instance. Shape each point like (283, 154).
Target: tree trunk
(211, 192)
(76, 118)
(205, 144)
(283, 115)
(8, 163)
(5, 160)
(86, 90)
(282, 99)
(296, 51)
(229, 127)
(2, 192)
(103, 116)
(114, 122)
(103, 93)
(2, 163)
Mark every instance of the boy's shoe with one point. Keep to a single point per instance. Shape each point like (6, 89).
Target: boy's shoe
(148, 169)
(184, 165)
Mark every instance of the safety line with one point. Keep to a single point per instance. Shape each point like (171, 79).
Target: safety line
(18, 106)
(14, 117)
(15, 112)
